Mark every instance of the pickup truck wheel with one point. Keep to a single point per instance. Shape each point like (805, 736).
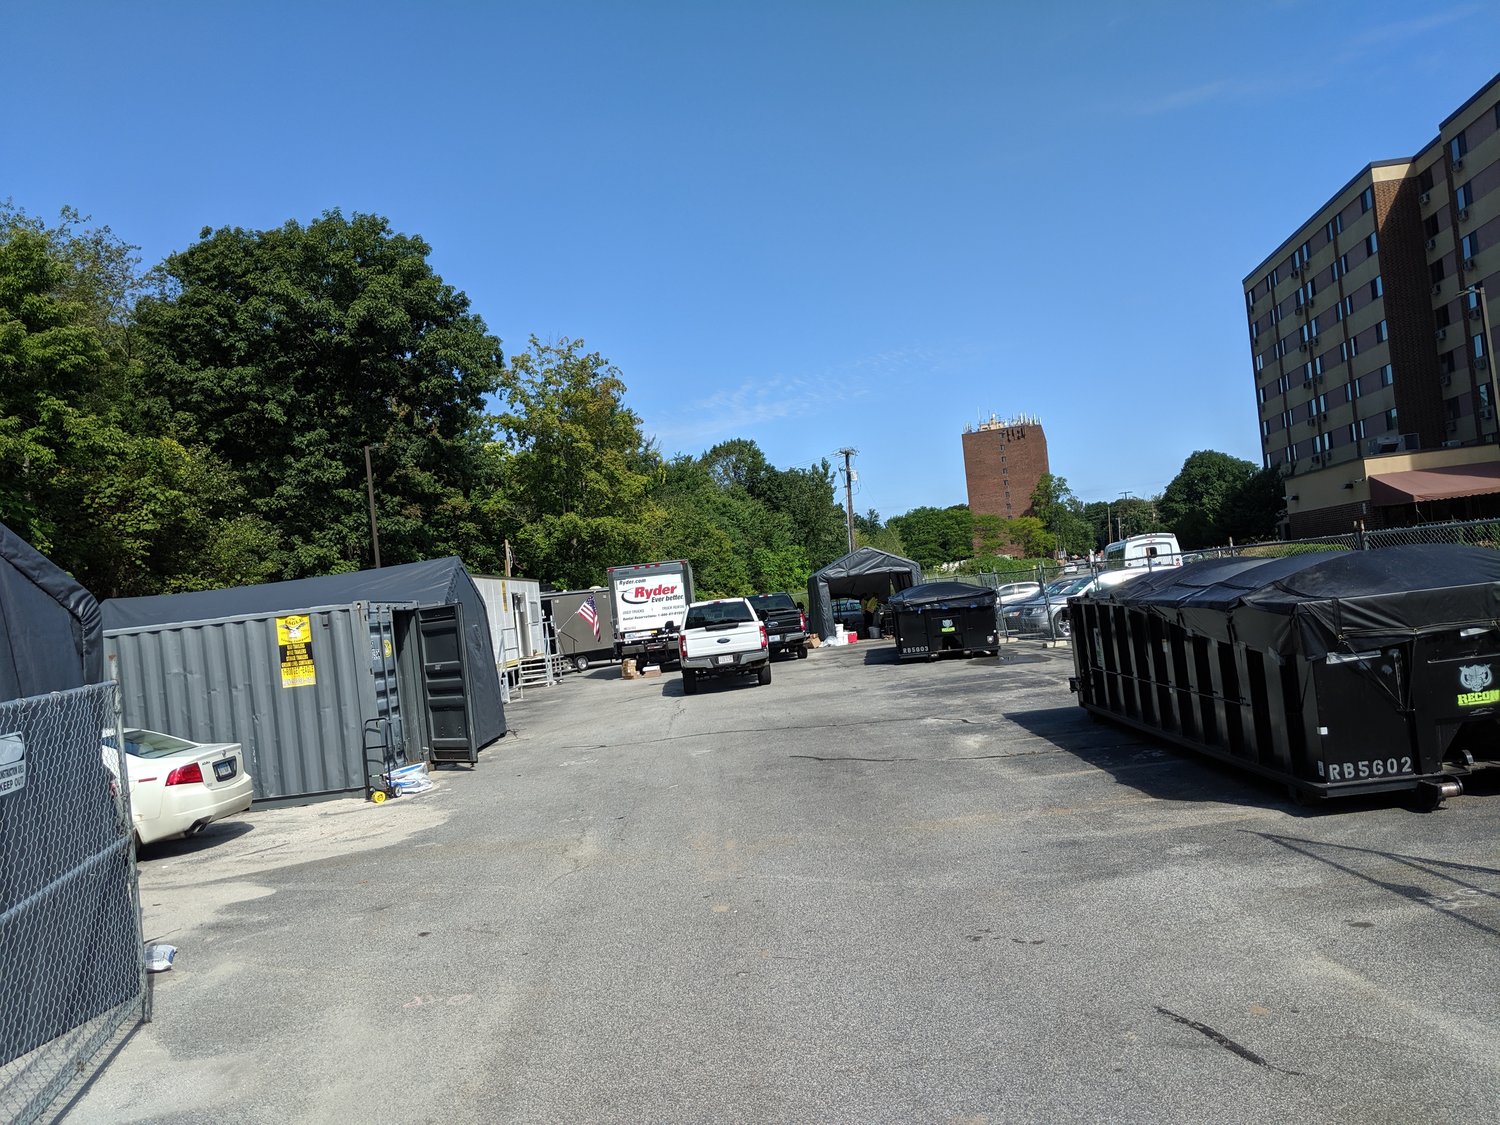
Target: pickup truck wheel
(764, 675)
(801, 652)
(689, 682)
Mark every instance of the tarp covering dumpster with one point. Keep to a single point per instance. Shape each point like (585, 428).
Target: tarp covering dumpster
(1336, 671)
(938, 617)
(50, 633)
(866, 571)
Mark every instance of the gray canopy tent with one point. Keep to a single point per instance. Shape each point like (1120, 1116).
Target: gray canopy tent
(50, 633)
(866, 571)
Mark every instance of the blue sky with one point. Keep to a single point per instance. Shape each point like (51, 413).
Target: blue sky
(814, 225)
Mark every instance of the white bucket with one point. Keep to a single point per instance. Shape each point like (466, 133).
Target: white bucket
(839, 634)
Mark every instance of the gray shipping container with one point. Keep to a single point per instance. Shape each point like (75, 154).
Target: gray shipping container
(304, 730)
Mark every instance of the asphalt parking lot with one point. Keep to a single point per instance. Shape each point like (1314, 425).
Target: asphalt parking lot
(864, 892)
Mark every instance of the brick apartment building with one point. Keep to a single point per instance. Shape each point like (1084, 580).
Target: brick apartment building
(1374, 376)
(1004, 458)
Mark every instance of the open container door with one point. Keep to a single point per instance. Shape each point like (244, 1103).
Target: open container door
(445, 696)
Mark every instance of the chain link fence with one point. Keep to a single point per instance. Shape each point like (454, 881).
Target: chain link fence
(72, 963)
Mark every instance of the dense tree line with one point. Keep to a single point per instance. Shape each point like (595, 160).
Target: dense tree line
(206, 423)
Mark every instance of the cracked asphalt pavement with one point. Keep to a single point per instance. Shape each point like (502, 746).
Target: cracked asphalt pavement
(865, 892)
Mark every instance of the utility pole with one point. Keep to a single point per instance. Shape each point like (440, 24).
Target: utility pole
(849, 495)
(370, 489)
(1123, 496)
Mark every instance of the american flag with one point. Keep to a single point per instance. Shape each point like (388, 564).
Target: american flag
(590, 613)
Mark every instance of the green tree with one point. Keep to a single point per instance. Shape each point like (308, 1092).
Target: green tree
(286, 351)
(577, 472)
(1062, 514)
(1198, 499)
(933, 536)
(82, 476)
(1256, 508)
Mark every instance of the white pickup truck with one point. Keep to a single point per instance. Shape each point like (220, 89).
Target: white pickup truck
(722, 638)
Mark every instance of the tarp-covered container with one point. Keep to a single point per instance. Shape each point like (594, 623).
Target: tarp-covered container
(866, 571)
(1337, 672)
(51, 638)
(320, 679)
(938, 617)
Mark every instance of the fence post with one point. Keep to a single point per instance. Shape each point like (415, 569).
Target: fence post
(1359, 535)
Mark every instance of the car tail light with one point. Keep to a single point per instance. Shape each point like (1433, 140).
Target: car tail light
(186, 775)
(764, 643)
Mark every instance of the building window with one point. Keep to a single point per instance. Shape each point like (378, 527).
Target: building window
(1436, 271)
(1335, 226)
(1458, 147)
(1366, 199)
(1260, 395)
(1377, 288)
(1372, 244)
(1380, 332)
(1351, 390)
(1349, 306)
(1390, 419)
(1349, 349)
(1275, 277)
(1431, 226)
(1424, 179)
(1465, 194)
(1470, 245)
(1265, 429)
(1254, 331)
(1260, 364)
(1448, 362)
(1387, 375)
(1317, 365)
(1476, 343)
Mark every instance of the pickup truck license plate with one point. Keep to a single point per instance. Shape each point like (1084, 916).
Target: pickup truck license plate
(775, 638)
(725, 659)
(224, 770)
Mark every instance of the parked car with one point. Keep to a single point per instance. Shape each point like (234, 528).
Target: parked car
(846, 612)
(1017, 592)
(1046, 614)
(177, 786)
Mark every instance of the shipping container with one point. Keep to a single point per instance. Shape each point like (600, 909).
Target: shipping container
(321, 693)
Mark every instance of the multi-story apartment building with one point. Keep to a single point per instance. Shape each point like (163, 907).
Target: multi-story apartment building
(1370, 333)
(1004, 458)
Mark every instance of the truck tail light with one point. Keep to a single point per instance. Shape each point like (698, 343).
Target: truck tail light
(682, 646)
(186, 775)
(803, 618)
(764, 643)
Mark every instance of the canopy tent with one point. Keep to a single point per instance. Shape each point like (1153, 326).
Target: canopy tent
(50, 633)
(435, 582)
(1445, 482)
(866, 571)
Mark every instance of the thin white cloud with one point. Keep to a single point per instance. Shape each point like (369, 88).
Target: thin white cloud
(743, 408)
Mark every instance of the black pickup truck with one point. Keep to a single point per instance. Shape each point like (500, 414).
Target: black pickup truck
(786, 625)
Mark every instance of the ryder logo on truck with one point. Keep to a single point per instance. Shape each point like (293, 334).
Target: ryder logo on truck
(648, 595)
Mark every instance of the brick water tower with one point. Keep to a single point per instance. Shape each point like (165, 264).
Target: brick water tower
(1004, 458)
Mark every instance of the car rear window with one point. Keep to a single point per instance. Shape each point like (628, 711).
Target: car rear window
(718, 613)
(150, 744)
(772, 601)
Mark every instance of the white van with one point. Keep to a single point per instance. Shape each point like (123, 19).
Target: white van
(1153, 549)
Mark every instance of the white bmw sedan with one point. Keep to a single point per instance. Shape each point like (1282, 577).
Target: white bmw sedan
(177, 787)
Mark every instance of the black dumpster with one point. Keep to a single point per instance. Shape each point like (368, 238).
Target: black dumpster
(939, 617)
(1336, 672)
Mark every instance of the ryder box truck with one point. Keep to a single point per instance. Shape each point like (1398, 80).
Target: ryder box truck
(650, 602)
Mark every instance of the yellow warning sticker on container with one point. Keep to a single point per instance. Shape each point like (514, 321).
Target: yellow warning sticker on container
(294, 638)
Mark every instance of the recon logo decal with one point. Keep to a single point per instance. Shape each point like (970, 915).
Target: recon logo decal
(1476, 679)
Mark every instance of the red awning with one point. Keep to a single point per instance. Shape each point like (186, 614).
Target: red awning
(1443, 483)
